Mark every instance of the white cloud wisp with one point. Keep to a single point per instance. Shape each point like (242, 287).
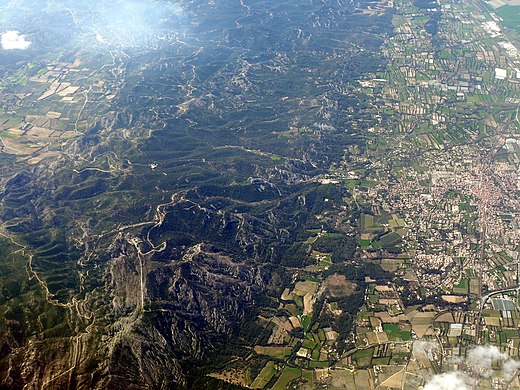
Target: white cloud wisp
(12, 40)
(481, 360)
(448, 381)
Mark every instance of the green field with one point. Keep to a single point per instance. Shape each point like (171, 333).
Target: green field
(310, 344)
(382, 361)
(511, 16)
(247, 376)
(288, 374)
(394, 333)
(264, 377)
(363, 358)
(463, 284)
(390, 239)
(391, 329)
(298, 300)
(462, 287)
(368, 183)
(308, 375)
(365, 243)
(366, 221)
(406, 335)
(319, 364)
(305, 320)
(276, 352)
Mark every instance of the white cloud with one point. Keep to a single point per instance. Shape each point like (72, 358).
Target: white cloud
(448, 381)
(14, 40)
(481, 359)
(510, 368)
(426, 348)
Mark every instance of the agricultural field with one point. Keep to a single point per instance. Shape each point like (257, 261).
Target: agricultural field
(264, 376)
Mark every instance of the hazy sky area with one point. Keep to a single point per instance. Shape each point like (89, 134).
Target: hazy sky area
(119, 23)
